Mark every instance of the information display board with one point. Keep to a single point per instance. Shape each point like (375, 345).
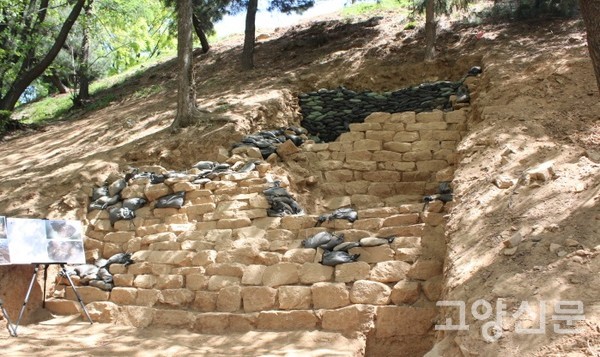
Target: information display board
(26, 241)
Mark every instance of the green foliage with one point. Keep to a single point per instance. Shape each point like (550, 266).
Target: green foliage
(146, 92)
(361, 8)
(528, 9)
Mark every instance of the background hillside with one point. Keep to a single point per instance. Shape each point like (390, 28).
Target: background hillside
(535, 103)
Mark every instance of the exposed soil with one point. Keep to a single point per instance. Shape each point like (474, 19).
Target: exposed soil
(536, 103)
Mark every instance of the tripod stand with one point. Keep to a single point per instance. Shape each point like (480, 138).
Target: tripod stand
(9, 325)
(35, 272)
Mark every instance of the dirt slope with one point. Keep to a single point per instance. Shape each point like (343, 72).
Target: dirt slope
(536, 104)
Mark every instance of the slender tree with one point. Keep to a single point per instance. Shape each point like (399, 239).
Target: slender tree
(83, 67)
(430, 30)
(187, 112)
(249, 35)
(590, 11)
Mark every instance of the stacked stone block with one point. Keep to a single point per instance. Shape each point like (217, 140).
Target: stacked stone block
(221, 264)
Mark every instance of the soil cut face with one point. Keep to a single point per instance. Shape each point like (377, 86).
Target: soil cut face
(537, 105)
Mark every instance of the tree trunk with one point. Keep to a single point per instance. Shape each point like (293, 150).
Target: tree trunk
(11, 98)
(54, 78)
(83, 69)
(186, 97)
(430, 26)
(201, 34)
(590, 11)
(250, 34)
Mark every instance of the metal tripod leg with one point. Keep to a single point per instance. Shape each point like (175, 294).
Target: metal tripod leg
(11, 330)
(35, 270)
(64, 270)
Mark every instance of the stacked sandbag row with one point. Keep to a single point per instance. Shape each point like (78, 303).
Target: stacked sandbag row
(327, 113)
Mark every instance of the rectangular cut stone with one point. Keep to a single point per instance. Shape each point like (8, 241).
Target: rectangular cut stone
(144, 281)
(316, 147)
(253, 274)
(165, 246)
(431, 165)
(389, 321)
(218, 282)
(281, 274)
(173, 318)
(383, 135)
(401, 220)
(368, 224)
(267, 222)
(381, 176)
(430, 117)
(229, 299)
(155, 191)
(389, 272)
(455, 116)
(119, 237)
(399, 166)
(196, 245)
(199, 209)
(176, 219)
(361, 155)
(311, 273)
(232, 223)
(124, 280)
(403, 117)
(411, 187)
(327, 165)
(354, 127)
(295, 223)
(404, 231)
(147, 297)
(330, 295)
(376, 254)
(426, 126)
(301, 320)
(258, 298)
(383, 212)
(88, 294)
(159, 237)
(392, 127)
(339, 175)
(396, 146)
(384, 155)
(367, 144)
(366, 201)
(406, 137)
(381, 188)
(446, 135)
(181, 258)
(360, 165)
(350, 319)
(349, 272)
(205, 301)
(196, 282)
(356, 187)
(342, 145)
(417, 155)
(370, 292)
(169, 282)
(294, 297)
(426, 145)
(350, 137)
(184, 186)
(378, 117)
(176, 297)
(165, 212)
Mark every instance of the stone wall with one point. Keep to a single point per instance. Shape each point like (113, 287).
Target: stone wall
(220, 264)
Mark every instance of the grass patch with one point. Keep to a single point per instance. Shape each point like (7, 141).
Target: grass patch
(55, 108)
(362, 8)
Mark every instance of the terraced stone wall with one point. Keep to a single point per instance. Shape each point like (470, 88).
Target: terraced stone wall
(219, 264)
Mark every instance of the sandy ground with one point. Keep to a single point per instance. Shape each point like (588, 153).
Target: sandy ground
(70, 336)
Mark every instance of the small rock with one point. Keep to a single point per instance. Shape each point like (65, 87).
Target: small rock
(578, 259)
(503, 182)
(579, 187)
(510, 251)
(553, 227)
(513, 241)
(571, 242)
(554, 247)
(561, 253)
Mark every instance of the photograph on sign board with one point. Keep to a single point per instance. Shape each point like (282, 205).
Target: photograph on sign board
(66, 251)
(63, 230)
(3, 227)
(26, 240)
(4, 253)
